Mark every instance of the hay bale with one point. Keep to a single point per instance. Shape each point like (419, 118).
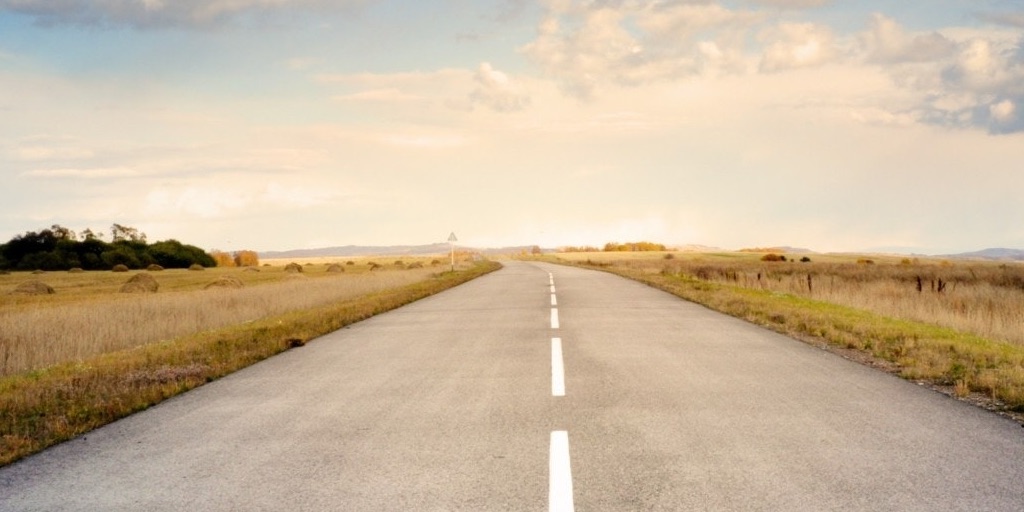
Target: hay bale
(120, 267)
(416, 264)
(76, 270)
(33, 288)
(293, 267)
(335, 268)
(140, 283)
(226, 282)
(37, 272)
(153, 267)
(250, 269)
(196, 266)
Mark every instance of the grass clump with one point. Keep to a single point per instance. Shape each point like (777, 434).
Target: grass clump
(140, 283)
(33, 288)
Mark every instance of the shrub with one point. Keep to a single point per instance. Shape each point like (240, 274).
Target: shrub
(222, 258)
(335, 268)
(350, 263)
(805, 259)
(293, 267)
(247, 259)
(773, 257)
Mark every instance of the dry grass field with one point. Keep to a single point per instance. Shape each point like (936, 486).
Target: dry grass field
(87, 315)
(958, 325)
(89, 354)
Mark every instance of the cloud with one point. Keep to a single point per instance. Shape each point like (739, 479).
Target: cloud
(295, 196)
(158, 13)
(1011, 19)
(796, 45)
(37, 153)
(970, 80)
(83, 173)
(792, 4)
(497, 91)
(588, 45)
(887, 42)
(202, 202)
(389, 95)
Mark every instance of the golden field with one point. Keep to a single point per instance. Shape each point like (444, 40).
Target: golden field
(89, 354)
(958, 325)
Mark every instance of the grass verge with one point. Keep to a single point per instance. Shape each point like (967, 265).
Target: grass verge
(41, 408)
(988, 373)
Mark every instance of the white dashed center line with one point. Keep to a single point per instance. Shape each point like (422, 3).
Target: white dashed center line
(560, 490)
(557, 368)
(560, 478)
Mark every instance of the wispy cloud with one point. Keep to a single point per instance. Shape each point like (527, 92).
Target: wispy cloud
(145, 14)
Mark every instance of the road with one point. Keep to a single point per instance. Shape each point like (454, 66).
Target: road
(455, 403)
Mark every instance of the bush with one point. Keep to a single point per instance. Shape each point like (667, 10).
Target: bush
(293, 268)
(773, 257)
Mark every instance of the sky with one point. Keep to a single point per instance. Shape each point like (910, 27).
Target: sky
(870, 125)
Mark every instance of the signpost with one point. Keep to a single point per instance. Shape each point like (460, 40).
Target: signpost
(451, 242)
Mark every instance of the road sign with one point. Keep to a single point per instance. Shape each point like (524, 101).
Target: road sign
(451, 242)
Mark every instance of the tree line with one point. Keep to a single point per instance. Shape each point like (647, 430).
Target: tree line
(59, 248)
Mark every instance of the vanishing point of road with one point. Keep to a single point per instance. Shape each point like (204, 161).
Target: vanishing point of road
(541, 387)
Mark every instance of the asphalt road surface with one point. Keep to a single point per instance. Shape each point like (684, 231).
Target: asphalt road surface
(541, 387)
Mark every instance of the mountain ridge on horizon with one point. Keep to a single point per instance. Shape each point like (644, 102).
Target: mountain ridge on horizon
(992, 254)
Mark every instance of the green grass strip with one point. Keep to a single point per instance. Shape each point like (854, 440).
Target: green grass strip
(41, 408)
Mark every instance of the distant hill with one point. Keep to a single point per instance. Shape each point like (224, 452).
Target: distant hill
(359, 250)
(998, 254)
(780, 249)
(386, 250)
(696, 248)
